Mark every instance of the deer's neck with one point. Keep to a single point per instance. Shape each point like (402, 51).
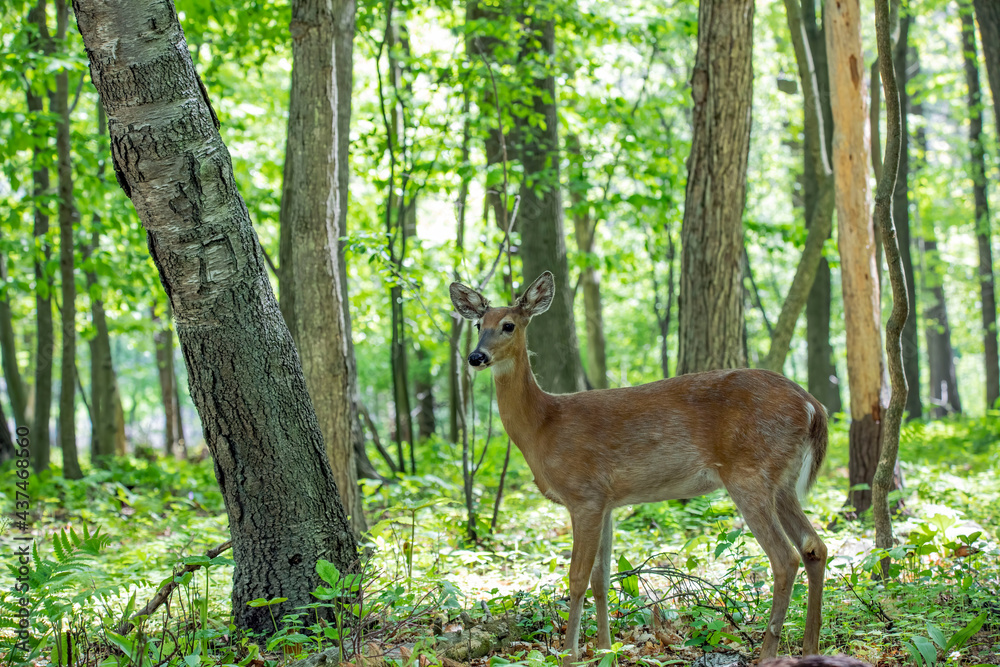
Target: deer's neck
(524, 407)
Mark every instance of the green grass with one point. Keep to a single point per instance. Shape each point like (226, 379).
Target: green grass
(153, 515)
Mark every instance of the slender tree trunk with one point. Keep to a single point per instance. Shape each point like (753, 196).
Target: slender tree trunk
(102, 396)
(163, 342)
(944, 394)
(883, 480)
(6, 441)
(540, 221)
(311, 215)
(984, 238)
(423, 390)
(8, 348)
(68, 216)
(988, 17)
(457, 373)
(245, 377)
(818, 169)
(585, 228)
(856, 241)
(822, 372)
(118, 410)
(40, 441)
(711, 293)
(901, 220)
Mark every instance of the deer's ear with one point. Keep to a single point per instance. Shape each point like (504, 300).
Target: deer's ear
(469, 303)
(538, 297)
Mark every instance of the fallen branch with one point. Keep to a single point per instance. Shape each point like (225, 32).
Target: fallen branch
(164, 593)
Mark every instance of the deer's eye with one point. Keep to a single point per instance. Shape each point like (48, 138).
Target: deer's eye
(508, 326)
(477, 326)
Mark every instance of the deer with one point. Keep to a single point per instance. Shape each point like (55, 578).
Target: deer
(754, 432)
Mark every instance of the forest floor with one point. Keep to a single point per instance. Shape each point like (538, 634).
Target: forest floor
(689, 578)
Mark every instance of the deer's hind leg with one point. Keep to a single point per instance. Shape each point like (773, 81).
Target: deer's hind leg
(813, 551)
(757, 504)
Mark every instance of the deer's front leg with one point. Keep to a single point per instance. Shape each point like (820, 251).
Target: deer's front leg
(587, 525)
(600, 581)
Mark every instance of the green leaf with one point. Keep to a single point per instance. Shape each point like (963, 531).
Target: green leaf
(938, 636)
(630, 584)
(328, 571)
(914, 653)
(927, 650)
(959, 638)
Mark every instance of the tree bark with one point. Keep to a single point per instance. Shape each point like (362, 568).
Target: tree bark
(822, 372)
(991, 358)
(856, 242)
(312, 214)
(243, 370)
(988, 17)
(68, 216)
(944, 396)
(901, 221)
(711, 291)
(540, 221)
(8, 348)
(40, 440)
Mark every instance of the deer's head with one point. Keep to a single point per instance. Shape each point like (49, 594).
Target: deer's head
(502, 330)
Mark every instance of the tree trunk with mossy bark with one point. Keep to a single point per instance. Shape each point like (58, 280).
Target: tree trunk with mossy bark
(243, 370)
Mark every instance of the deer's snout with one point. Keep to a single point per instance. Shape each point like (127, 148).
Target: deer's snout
(478, 358)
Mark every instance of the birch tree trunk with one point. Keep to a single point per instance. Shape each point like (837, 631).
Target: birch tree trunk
(243, 370)
(856, 242)
(711, 291)
(312, 213)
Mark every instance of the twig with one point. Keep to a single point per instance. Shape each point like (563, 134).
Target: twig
(503, 478)
(164, 593)
(270, 262)
(375, 439)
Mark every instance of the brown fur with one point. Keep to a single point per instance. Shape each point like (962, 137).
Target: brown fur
(748, 430)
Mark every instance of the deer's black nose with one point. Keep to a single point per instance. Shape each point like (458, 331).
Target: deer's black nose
(477, 358)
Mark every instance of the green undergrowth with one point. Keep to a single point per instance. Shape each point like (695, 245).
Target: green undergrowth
(104, 545)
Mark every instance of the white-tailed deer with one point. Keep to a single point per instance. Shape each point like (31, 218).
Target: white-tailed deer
(754, 432)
